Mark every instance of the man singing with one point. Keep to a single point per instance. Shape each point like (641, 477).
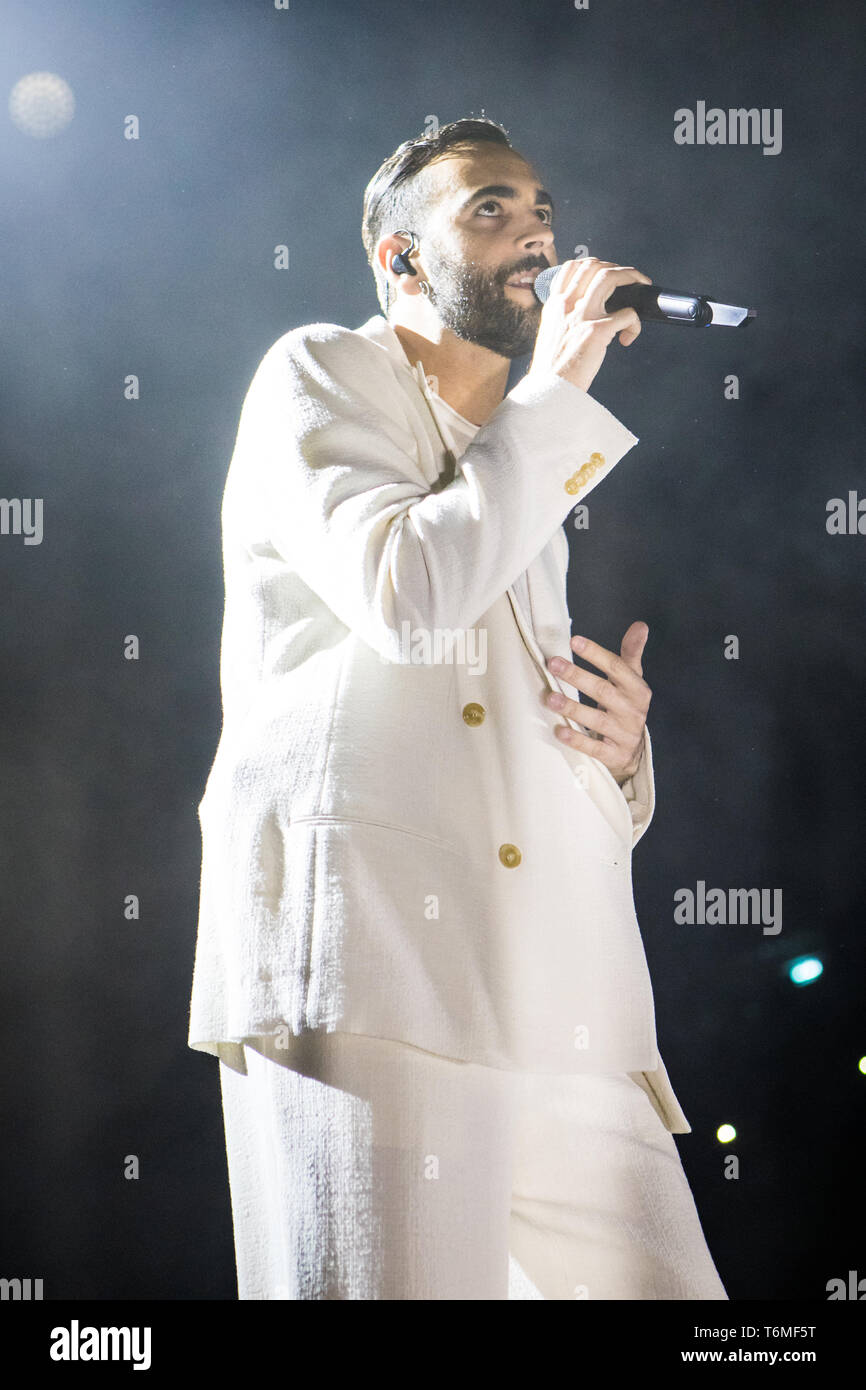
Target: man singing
(418, 959)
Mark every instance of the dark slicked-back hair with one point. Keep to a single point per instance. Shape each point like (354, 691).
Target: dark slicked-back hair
(395, 198)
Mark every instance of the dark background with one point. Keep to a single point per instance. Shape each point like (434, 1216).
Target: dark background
(260, 127)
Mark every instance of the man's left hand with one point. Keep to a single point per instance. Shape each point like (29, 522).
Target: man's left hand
(622, 695)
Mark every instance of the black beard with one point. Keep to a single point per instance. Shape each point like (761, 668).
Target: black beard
(473, 304)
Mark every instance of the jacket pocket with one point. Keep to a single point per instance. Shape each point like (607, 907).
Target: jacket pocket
(376, 824)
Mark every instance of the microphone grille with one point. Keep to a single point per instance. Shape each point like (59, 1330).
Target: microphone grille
(544, 282)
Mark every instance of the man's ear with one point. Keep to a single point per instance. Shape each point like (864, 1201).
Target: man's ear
(391, 245)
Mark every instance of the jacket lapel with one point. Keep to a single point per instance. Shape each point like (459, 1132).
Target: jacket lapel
(543, 626)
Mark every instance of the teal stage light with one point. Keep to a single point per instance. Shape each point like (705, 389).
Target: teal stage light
(804, 970)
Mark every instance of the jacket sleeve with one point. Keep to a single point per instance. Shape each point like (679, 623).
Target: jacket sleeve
(346, 506)
(639, 791)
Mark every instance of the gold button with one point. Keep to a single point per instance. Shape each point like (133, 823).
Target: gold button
(583, 475)
(510, 856)
(474, 714)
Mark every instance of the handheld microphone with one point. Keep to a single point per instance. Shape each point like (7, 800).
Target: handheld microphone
(656, 305)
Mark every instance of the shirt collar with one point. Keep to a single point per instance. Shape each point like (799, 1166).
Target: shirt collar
(379, 330)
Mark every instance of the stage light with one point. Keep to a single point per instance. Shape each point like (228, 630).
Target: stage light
(804, 970)
(861, 1065)
(725, 1133)
(41, 104)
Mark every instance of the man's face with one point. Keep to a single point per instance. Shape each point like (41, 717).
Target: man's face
(490, 221)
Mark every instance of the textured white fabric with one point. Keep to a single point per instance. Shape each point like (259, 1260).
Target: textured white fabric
(545, 618)
(367, 1169)
(354, 823)
(460, 433)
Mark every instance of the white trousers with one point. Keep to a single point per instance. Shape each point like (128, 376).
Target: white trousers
(361, 1168)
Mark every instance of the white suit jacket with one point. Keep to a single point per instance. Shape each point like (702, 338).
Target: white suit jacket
(394, 842)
